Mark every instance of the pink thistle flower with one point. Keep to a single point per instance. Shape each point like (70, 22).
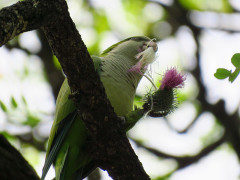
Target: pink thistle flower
(172, 79)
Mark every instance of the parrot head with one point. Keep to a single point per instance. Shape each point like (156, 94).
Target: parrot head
(140, 49)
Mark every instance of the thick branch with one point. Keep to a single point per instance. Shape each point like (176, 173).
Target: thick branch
(54, 75)
(112, 149)
(13, 165)
(24, 16)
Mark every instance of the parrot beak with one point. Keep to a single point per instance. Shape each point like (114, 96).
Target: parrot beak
(152, 44)
(145, 57)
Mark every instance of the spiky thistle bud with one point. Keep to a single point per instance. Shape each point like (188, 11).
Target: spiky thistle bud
(163, 101)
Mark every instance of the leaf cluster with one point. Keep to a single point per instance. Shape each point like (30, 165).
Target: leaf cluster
(223, 73)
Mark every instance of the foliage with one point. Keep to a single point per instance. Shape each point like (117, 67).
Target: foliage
(223, 73)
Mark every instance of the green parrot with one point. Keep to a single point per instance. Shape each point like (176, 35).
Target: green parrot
(120, 68)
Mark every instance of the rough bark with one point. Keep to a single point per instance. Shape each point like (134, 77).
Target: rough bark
(54, 75)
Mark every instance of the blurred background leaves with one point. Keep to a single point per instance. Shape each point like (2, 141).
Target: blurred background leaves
(200, 140)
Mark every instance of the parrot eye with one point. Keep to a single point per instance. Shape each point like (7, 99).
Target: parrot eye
(139, 38)
(134, 38)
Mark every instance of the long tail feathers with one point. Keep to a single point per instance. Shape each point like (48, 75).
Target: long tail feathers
(61, 174)
(57, 142)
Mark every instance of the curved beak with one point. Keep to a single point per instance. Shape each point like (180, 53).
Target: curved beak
(145, 57)
(151, 44)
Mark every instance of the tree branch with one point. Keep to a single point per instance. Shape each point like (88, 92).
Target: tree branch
(13, 165)
(54, 75)
(188, 160)
(24, 16)
(112, 149)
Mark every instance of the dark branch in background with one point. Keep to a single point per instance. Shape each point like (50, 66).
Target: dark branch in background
(178, 16)
(29, 138)
(54, 75)
(189, 126)
(17, 46)
(186, 129)
(12, 164)
(184, 161)
(111, 148)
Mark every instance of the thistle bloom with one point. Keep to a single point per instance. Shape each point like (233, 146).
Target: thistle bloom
(172, 79)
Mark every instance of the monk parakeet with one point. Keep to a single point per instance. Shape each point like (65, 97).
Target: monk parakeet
(120, 68)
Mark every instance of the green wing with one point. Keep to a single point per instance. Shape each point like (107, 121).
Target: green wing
(68, 136)
(64, 106)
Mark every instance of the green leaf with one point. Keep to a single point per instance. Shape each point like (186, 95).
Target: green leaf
(222, 73)
(4, 108)
(32, 120)
(14, 103)
(234, 75)
(204, 5)
(236, 60)
(24, 100)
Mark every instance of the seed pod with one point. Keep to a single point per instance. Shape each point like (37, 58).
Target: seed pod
(160, 103)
